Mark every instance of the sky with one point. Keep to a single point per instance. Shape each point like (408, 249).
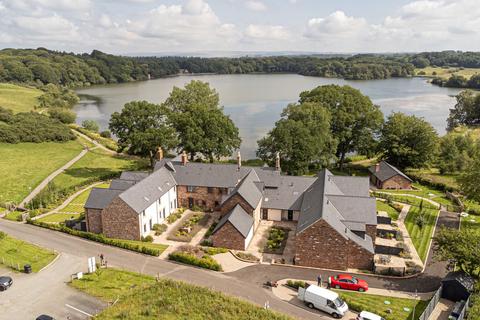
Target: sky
(163, 26)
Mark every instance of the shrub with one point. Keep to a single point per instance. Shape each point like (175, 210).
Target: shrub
(206, 243)
(247, 256)
(296, 284)
(148, 238)
(205, 261)
(98, 238)
(214, 250)
(90, 125)
(106, 134)
(210, 230)
(3, 235)
(420, 219)
(159, 228)
(63, 115)
(174, 216)
(196, 208)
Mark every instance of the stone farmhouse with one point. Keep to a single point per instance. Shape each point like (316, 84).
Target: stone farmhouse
(385, 176)
(335, 215)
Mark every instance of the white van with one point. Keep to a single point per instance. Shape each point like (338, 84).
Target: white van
(365, 315)
(323, 299)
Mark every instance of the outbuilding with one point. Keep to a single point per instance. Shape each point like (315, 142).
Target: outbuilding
(385, 176)
(457, 286)
(234, 230)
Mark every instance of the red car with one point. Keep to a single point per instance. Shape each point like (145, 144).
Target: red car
(347, 282)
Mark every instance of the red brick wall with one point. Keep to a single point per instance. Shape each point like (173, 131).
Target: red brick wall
(120, 221)
(321, 246)
(93, 218)
(201, 196)
(228, 205)
(371, 231)
(396, 182)
(228, 237)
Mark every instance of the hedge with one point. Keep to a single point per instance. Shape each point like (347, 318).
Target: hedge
(97, 237)
(206, 261)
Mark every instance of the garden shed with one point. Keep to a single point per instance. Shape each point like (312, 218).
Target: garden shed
(457, 286)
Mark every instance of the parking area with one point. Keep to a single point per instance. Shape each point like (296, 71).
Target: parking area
(47, 292)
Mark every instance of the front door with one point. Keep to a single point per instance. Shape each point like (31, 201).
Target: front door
(265, 214)
(190, 203)
(290, 215)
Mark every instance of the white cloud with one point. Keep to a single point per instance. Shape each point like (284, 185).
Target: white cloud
(51, 25)
(255, 5)
(267, 32)
(336, 24)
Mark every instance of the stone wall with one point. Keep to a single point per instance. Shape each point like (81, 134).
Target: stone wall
(228, 237)
(120, 221)
(321, 246)
(93, 218)
(201, 197)
(371, 230)
(396, 182)
(228, 205)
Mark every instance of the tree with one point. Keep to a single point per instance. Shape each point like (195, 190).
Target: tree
(456, 151)
(354, 117)
(90, 125)
(408, 141)
(470, 178)
(57, 97)
(142, 127)
(62, 114)
(302, 138)
(201, 125)
(466, 111)
(459, 247)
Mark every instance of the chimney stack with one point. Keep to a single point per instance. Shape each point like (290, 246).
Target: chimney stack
(159, 154)
(184, 158)
(239, 160)
(377, 167)
(277, 162)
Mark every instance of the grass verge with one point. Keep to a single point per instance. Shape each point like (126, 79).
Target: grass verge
(78, 203)
(420, 225)
(383, 206)
(376, 304)
(17, 98)
(16, 253)
(141, 297)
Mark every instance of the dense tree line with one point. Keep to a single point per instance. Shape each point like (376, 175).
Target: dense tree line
(446, 59)
(31, 127)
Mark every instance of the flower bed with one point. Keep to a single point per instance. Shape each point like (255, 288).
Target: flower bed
(247, 256)
(196, 257)
(277, 240)
(175, 216)
(189, 227)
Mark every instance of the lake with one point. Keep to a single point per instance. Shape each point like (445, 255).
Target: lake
(255, 101)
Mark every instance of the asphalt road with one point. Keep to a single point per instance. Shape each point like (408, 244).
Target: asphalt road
(245, 283)
(46, 292)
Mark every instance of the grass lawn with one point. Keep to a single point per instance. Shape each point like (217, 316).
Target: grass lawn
(425, 192)
(141, 297)
(76, 206)
(472, 222)
(383, 206)
(421, 237)
(13, 252)
(96, 165)
(376, 304)
(446, 73)
(13, 216)
(59, 217)
(17, 98)
(24, 165)
(435, 176)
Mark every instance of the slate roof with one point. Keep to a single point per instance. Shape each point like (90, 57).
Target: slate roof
(325, 200)
(387, 171)
(119, 184)
(145, 192)
(134, 175)
(99, 198)
(241, 220)
(248, 189)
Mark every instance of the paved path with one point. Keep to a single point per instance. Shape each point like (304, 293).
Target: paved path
(52, 176)
(67, 202)
(46, 292)
(406, 236)
(98, 145)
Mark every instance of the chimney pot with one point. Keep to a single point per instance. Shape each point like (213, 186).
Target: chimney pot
(159, 154)
(377, 167)
(239, 160)
(184, 158)
(277, 161)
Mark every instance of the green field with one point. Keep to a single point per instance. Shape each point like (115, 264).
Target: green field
(446, 73)
(59, 217)
(141, 297)
(421, 237)
(383, 206)
(425, 192)
(96, 165)
(15, 253)
(18, 99)
(24, 165)
(434, 175)
(376, 304)
(472, 222)
(77, 204)
(13, 216)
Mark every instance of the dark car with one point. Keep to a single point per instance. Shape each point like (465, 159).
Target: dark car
(5, 283)
(44, 317)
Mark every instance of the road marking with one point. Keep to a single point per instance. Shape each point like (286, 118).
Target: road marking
(83, 312)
